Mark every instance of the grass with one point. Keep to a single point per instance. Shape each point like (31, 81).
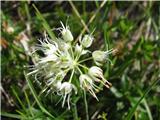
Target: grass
(130, 27)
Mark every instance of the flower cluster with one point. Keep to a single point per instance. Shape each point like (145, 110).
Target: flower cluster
(62, 60)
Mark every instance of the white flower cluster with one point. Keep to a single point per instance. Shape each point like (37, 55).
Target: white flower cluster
(62, 60)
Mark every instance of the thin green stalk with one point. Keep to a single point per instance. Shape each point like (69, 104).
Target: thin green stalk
(12, 115)
(90, 20)
(70, 79)
(148, 110)
(83, 66)
(28, 102)
(90, 58)
(75, 115)
(45, 24)
(19, 100)
(79, 16)
(86, 105)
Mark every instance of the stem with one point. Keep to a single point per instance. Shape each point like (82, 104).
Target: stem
(70, 79)
(83, 66)
(72, 52)
(86, 105)
(90, 58)
(75, 112)
(79, 70)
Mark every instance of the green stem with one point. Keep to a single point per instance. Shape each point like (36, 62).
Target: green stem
(83, 66)
(75, 112)
(86, 105)
(70, 79)
(90, 58)
(79, 70)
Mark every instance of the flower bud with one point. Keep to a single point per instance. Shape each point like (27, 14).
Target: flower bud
(66, 91)
(87, 83)
(99, 57)
(95, 72)
(78, 49)
(87, 41)
(67, 88)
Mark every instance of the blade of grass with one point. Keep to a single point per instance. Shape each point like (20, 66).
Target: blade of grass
(36, 97)
(28, 102)
(148, 110)
(45, 24)
(79, 16)
(91, 19)
(86, 105)
(11, 115)
(133, 109)
(19, 100)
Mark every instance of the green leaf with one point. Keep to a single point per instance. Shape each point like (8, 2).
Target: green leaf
(11, 115)
(36, 97)
(133, 109)
(45, 24)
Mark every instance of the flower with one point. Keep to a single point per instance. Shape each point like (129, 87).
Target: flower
(101, 57)
(66, 91)
(87, 83)
(97, 74)
(61, 60)
(66, 33)
(87, 41)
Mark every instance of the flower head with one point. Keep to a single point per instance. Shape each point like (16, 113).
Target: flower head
(62, 60)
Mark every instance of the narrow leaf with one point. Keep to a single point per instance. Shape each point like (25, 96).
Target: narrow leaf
(45, 24)
(132, 111)
(36, 97)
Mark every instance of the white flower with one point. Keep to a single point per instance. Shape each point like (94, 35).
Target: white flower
(66, 91)
(66, 33)
(54, 84)
(95, 71)
(47, 46)
(78, 49)
(101, 57)
(48, 58)
(87, 41)
(97, 74)
(87, 83)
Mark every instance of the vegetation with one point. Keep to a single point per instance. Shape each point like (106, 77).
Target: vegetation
(131, 28)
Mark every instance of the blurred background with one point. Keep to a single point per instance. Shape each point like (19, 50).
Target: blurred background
(130, 27)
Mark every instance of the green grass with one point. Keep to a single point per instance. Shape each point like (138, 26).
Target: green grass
(130, 27)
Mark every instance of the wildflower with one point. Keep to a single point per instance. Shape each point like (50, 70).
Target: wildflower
(66, 33)
(101, 57)
(97, 74)
(87, 83)
(87, 41)
(66, 91)
(61, 61)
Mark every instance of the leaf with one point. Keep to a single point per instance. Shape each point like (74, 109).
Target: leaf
(36, 97)
(133, 109)
(45, 24)
(11, 115)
